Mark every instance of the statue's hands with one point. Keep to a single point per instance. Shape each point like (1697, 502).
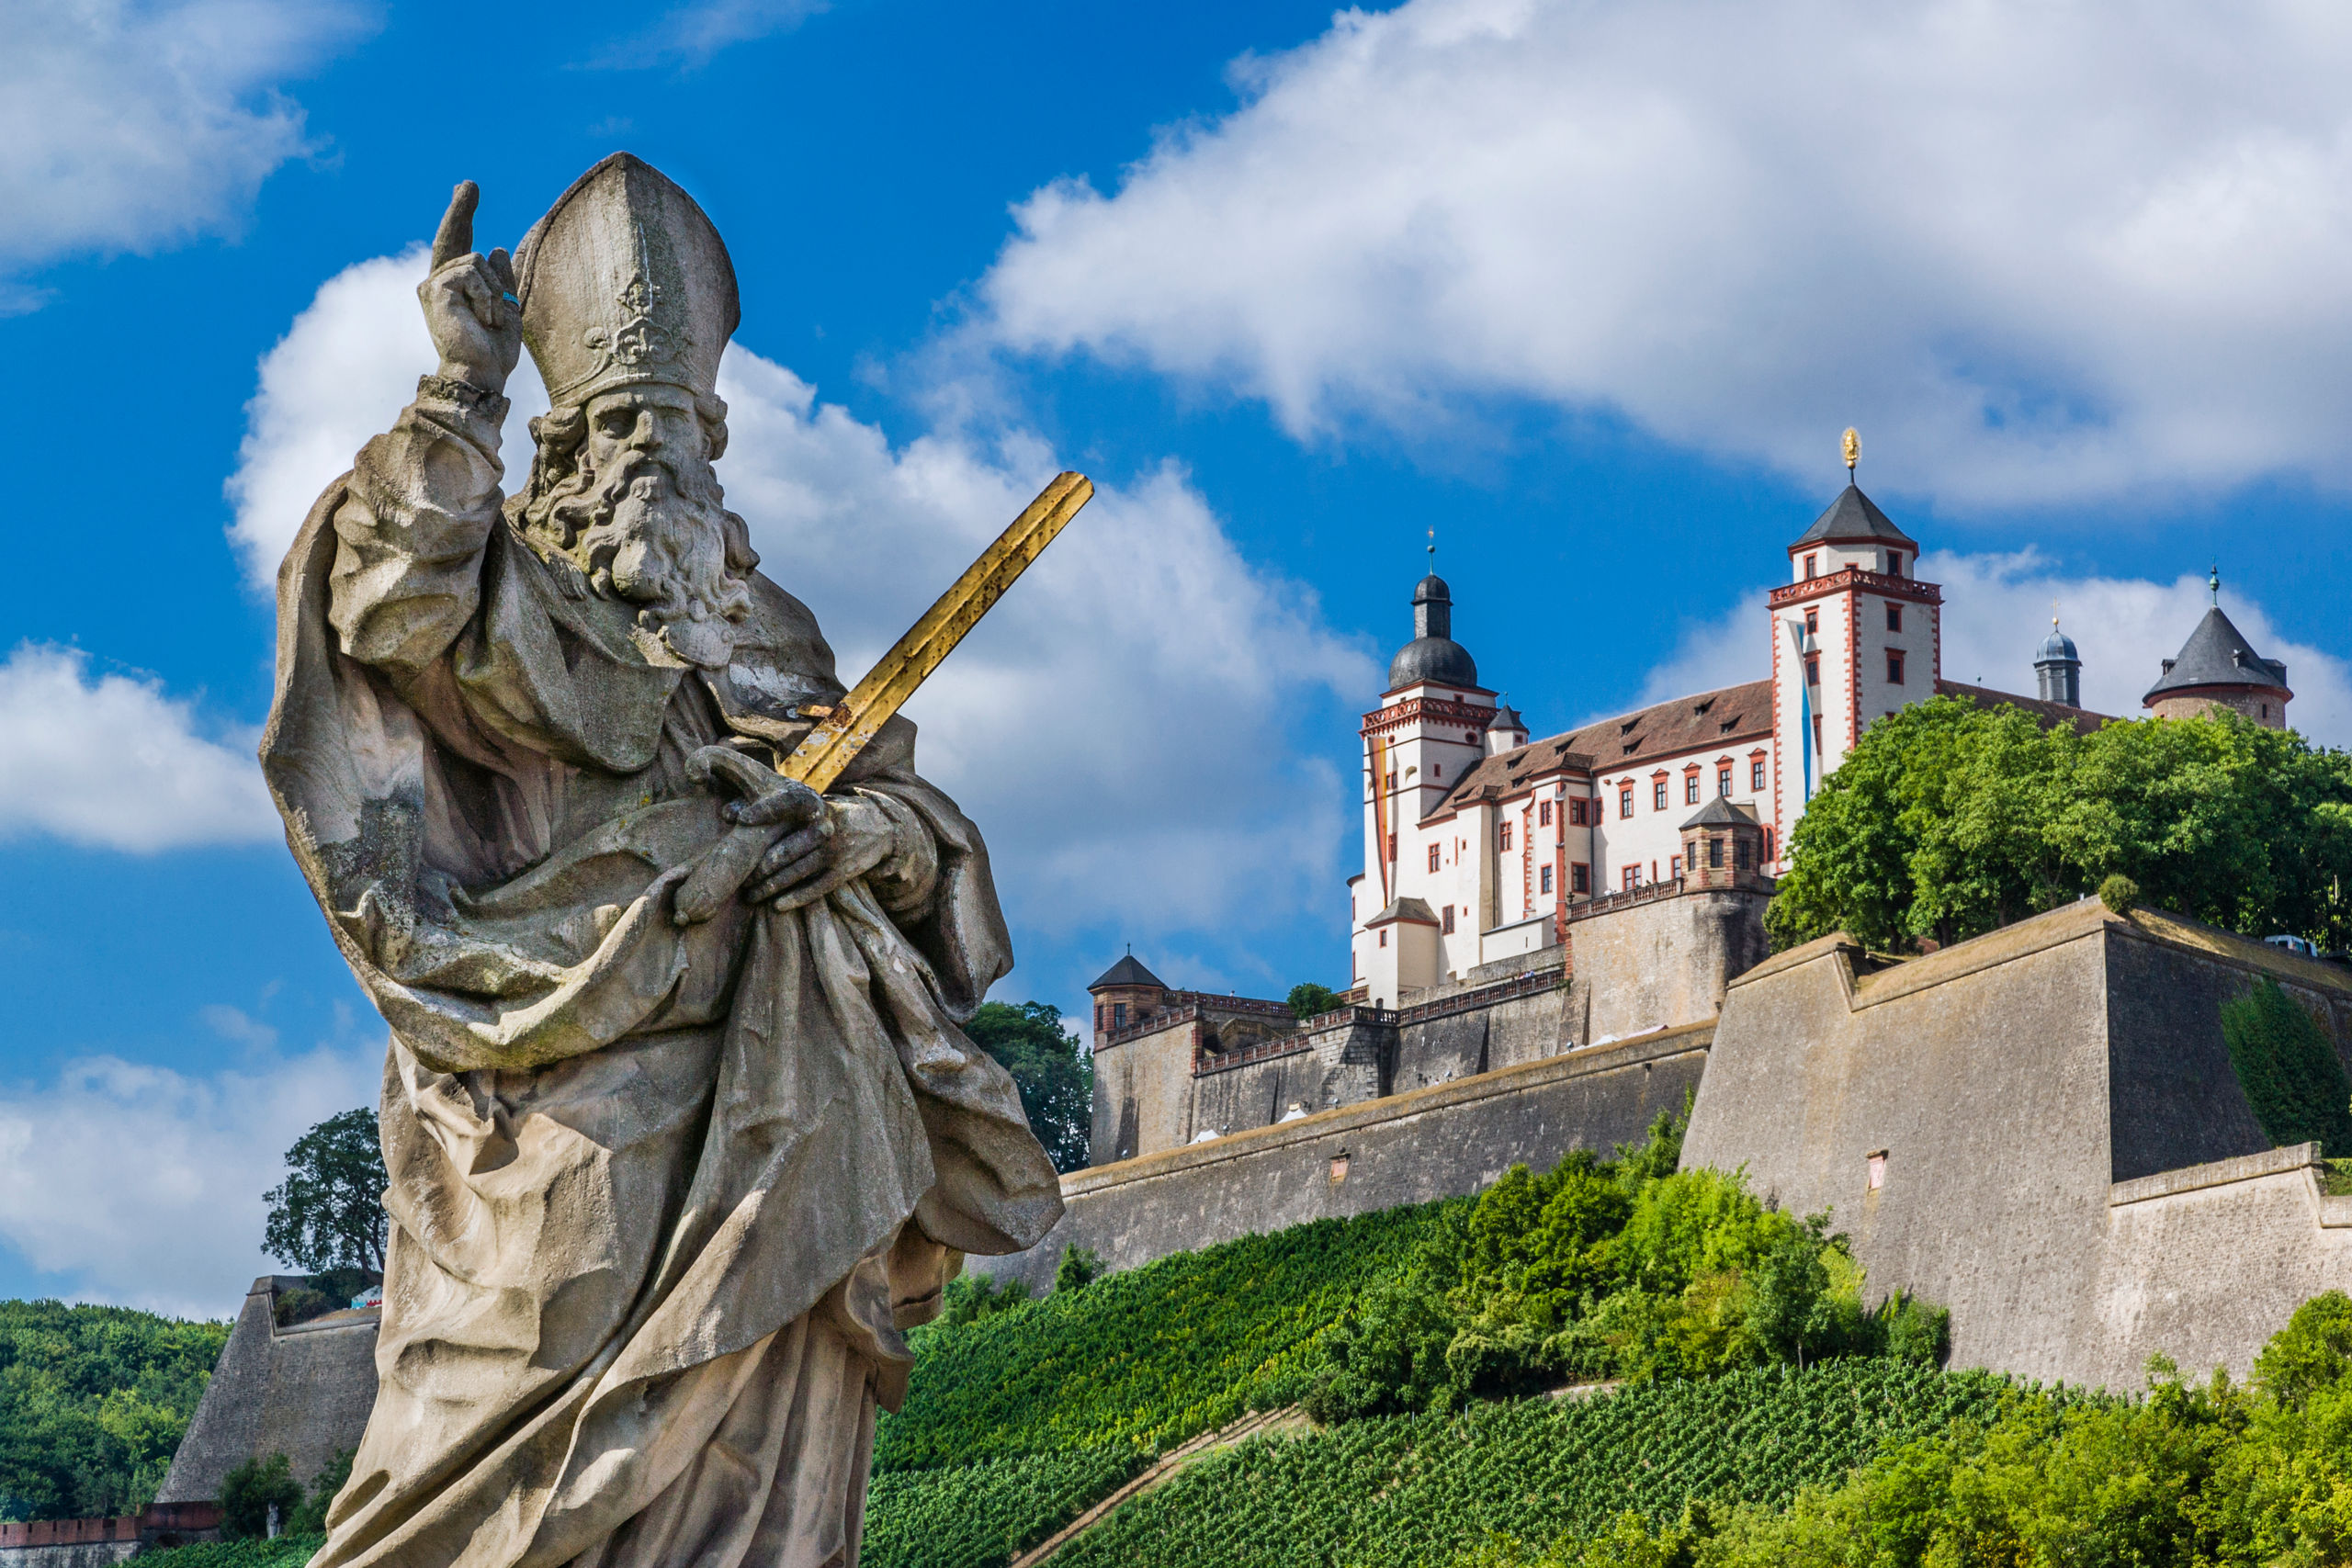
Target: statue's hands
(850, 838)
(469, 299)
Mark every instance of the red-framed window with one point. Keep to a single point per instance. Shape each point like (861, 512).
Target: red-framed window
(1756, 773)
(1812, 669)
(1435, 852)
(1894, 615)
(1544, 879)
(1579, 877)
(1723, 779)
(1445, 919)
(1674, 865)
(1811, 566)
(1502, 835)
(1895, 667)
(1625, 800)
(1633, 877)
(1542, 813)
(1690, 789)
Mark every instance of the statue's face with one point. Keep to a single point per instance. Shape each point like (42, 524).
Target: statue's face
(640, 515)
(653, 423)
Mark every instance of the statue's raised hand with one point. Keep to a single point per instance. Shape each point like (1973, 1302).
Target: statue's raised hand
(469, 299)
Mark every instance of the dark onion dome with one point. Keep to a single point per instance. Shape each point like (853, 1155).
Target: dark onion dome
(1125, 971)
(1854, 518)
(2057, 648)
(2217, 654)
(1432, 655)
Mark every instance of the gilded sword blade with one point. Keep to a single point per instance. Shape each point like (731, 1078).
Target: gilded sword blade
(827, 750)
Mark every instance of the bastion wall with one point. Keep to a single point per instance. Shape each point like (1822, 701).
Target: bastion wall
(304, 1391)
(2063, 1154)
(1436, 1141)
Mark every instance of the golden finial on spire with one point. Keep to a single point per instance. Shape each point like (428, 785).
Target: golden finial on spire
(1853, 450)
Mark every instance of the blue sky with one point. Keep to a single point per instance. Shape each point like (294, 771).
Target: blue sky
(1591, 289)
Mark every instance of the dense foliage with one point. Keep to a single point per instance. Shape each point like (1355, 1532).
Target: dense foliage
(329, 1211)
(1055, 1074)
(93, 1402)
(2190, 1474)
(1606, 1269)
(286, 1552)
(2292, 1076)
(1948, 820)
(1308, 999)
(1418, 1489)
(1139, 1362)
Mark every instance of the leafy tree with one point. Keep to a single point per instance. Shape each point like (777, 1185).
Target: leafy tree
(2313, 1351)
(2289, 1068)
(1055, 1074)
(93, 1402)
(248, 1492)
(328, 1212)
(310, 1518)
(971, 1297)
(1308, 999)
(1950, 819)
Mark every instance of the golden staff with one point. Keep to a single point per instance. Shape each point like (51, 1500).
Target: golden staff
(848, 727)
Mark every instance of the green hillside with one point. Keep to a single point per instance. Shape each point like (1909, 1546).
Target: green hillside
(93, 1402)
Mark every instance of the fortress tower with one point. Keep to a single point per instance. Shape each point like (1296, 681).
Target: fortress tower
(1855, 636)
(2058, 668)
(2218, 668)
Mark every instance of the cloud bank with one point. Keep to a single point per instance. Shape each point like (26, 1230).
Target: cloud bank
(143, 1185)
(112, 762)
(1119, 726)
(133, 125)
(2035, 252)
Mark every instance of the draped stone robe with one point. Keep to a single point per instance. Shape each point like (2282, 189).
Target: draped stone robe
(662, 1198)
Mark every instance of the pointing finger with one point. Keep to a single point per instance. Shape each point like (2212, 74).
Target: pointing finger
(455, 237)
(502, 267)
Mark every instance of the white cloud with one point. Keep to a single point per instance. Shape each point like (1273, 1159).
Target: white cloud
(1997, 611)
(117, 763)
(133, 125)
(2033, 251)
(143, 1185)
(1119, 726)
(691, 34)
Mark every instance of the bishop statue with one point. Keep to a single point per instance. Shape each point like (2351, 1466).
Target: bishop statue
(677, 1151)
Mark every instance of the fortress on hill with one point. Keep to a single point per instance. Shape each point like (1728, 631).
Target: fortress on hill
(1555, 940)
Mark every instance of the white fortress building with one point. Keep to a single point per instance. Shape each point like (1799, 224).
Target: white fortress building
(1481, 847)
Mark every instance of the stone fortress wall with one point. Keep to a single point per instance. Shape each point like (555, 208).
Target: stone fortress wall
(2042, 1130)
(303, 1391)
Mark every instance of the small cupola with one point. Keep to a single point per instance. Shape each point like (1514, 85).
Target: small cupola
(1432, 655)
(2058, 668)
(1723, 846)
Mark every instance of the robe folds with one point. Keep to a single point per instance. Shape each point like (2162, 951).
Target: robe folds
(662, 1198)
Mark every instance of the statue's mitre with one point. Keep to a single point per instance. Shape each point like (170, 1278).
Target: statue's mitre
(625, 281)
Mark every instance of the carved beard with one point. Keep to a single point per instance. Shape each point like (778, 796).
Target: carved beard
(638, 535)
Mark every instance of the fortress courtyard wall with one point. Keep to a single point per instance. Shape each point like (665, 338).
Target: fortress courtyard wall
(1440, 1141)
(2039, 1129)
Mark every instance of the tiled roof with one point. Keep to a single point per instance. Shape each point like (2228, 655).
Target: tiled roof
(1703, 722)
(2217, 654)
(2052, 715)
(1126, 972)
(1854, 516)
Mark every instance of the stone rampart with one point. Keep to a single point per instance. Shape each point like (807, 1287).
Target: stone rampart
(1434, 1142)
(2039, 1129)
(304, 1391)
(1659, 958)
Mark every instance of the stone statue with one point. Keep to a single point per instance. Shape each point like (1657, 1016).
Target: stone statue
(667, 1183)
